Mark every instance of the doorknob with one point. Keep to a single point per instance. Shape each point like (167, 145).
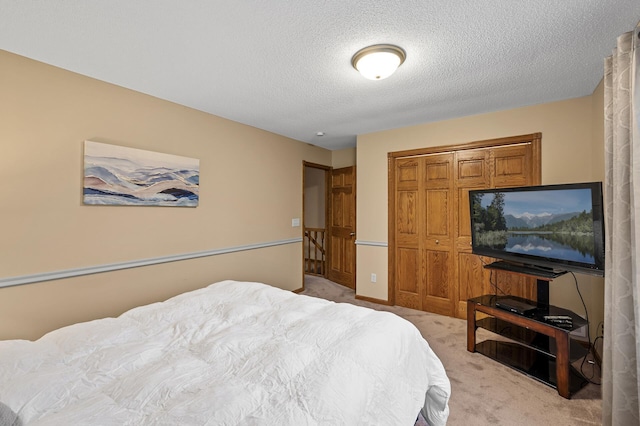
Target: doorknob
(352, 234)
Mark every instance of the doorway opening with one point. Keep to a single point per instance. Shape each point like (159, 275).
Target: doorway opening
(329, 223)
(315, 219)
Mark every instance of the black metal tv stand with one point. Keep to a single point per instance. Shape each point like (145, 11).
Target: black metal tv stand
(544, 275)
(523, 268)
(534, 346)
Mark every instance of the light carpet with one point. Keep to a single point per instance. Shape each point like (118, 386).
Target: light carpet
(484, 392)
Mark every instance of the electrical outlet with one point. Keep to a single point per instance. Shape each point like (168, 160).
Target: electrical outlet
(374, 278)
(295, 222)
(580, 334)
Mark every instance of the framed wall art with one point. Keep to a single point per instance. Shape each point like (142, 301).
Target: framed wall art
(118, 175)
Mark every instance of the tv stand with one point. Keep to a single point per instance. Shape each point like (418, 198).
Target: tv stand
(536, 348)
(543, 276)
(526, 269)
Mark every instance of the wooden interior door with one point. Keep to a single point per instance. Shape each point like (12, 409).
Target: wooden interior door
(430, 262)
(342, 228)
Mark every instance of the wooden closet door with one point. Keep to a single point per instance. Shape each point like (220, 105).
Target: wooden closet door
(494, 167)
(431, 265)
(410, 286)
(438, 234)
(424, 233)
(473, 171)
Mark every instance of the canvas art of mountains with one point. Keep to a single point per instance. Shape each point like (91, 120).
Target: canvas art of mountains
(116, 175)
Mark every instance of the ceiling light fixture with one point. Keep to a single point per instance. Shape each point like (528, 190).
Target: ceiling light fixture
(379, 61)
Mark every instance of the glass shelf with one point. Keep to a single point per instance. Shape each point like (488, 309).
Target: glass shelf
(531, 362)
(529, 338)
(527, 342)
(537, 314)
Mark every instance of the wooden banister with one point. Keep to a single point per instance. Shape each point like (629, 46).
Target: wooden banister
(314, 251)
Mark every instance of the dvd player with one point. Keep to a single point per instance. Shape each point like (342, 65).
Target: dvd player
(515, 306)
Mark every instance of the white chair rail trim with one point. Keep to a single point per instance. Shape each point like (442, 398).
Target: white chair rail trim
(372, 243)
(76, 272)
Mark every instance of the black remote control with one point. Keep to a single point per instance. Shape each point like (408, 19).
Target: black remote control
(557, 317)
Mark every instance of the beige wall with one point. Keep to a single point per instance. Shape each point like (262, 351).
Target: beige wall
(251, 184)
(250, 189)
(343, 158)
(570, 153)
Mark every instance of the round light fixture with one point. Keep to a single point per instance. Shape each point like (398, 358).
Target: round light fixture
(379, 61)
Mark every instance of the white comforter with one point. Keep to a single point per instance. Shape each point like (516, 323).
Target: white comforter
(234, 353)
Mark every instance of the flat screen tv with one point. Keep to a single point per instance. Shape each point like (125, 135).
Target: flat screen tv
(558, 227)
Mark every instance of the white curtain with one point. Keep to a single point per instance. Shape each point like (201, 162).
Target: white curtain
(621, 353)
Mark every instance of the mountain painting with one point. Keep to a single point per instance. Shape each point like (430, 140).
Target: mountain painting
(117, 175)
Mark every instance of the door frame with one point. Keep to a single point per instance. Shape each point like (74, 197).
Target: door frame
(327, 210)
(535, 139)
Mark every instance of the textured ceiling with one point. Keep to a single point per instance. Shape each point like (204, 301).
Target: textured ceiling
(284, 66)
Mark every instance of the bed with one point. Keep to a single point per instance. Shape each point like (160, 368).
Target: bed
(233, 353)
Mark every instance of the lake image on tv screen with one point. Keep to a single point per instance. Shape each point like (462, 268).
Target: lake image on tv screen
(555, 224)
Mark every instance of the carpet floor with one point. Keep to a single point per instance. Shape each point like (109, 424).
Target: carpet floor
(483, 392)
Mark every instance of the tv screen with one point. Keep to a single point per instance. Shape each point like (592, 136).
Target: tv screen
(559, 227)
